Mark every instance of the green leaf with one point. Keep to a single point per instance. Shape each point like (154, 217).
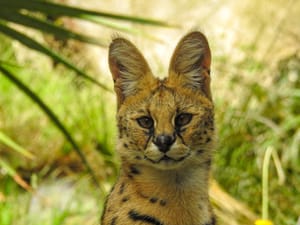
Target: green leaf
(44, 26)
(52, 116)
(55, 9)
(14, 146)
(31, 43)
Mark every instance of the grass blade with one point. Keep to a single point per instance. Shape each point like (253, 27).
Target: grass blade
(14, 146)
(55, 9)
(31, 43)
(13, 173)
(44, 26)
(265, 183)
(51, 115)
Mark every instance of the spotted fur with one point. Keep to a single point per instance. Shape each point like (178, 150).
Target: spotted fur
(166, 137)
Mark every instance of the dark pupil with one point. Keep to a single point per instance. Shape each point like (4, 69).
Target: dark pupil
(145, 122)
(183, 119)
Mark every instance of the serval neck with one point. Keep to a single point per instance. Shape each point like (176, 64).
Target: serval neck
(184, 183)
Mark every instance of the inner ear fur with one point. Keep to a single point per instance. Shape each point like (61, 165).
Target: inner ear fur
(128, 67)
(190, 63)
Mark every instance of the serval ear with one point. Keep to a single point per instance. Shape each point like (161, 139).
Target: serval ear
(129, 69)
(190, 64)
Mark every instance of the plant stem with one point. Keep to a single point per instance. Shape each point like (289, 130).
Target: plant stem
(265, 183)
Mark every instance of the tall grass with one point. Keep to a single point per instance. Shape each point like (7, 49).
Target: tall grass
(87, 112)
(26, 124)
(266, 115)
(42, 16)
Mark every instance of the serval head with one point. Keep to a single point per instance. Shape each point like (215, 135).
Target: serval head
(166, 124)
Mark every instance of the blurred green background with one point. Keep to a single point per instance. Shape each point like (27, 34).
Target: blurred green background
(46, 154)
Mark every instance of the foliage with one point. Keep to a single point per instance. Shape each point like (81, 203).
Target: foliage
(267, 117)
(4, 165)
(34, 14)
(81, 108)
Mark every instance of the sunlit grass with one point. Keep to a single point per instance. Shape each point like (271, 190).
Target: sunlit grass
(265, 116)
(84, 109)
(86, 112)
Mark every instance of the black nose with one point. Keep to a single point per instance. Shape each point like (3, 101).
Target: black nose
(164, 142)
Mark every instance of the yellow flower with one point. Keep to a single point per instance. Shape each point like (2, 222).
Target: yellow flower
(263, 222)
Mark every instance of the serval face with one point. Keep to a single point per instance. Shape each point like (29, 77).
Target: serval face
(166, 124)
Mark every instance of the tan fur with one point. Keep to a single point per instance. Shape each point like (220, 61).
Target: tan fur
(159, 185)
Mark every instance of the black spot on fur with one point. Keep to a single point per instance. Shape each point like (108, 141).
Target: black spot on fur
(134, 170)
(162, 202)
(208, 139)
(153, 199)
(135, 216)
(125, 145)
(200, 151)
(122, 188)
(125, 199)
(114, 221)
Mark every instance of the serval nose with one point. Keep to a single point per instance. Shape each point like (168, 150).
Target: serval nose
(164, 142)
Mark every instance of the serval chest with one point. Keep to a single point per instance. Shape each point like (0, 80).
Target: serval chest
(166, 135)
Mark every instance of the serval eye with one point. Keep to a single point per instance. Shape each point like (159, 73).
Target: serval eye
(183, 119)
(145, 122)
